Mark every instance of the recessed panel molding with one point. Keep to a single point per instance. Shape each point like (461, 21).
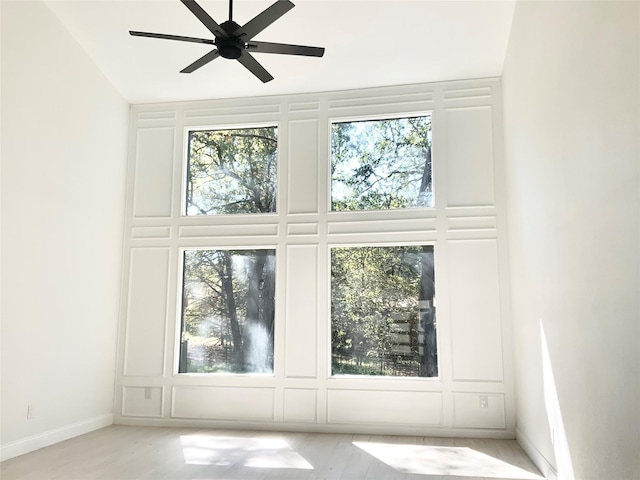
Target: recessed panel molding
(142, 402)
(223, 403)
(384, 407)
(476, 326)
(153, 172)
(303, 166)
(469, 157)
(301, 317)
(478, 410)
(146, 312)
(300, 405)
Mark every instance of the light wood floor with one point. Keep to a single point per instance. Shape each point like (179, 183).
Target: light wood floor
(123, 452)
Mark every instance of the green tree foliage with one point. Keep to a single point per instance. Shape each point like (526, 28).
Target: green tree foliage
(232, 171)
(381, 164)
(378, 315)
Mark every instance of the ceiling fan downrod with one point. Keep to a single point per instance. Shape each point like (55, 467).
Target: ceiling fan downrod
(230, 47)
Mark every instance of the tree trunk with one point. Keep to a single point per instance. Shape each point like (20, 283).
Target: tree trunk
(427, 345)
(267, 297)
(425, 183)
(252, 321)
(227, 288)
(260, 311)
(184, 358)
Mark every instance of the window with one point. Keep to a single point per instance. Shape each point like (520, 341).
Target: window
(383, 311)
(232, 171)
(382, 297)
(381, 164)
(228, 311)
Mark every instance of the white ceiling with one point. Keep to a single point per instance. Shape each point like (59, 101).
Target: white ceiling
(368, 44)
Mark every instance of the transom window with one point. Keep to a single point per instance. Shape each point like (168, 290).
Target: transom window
(232, 171)
(381, 164)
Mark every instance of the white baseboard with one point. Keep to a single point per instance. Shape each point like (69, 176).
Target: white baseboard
(44, 439)
(364, 429)
(536, 457)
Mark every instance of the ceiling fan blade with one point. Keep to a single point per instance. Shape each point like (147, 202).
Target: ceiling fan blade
(204, 17)
(263, 20)
(286, 49)
(254, 67)
(202, 61)
(171, 37)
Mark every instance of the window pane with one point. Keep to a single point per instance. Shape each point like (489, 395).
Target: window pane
(383, 311)
(232, 171)
(381, 164)
(228, 311)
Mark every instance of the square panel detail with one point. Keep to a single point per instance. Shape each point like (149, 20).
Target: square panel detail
(478, 410)
(300, 405)
(142, 401)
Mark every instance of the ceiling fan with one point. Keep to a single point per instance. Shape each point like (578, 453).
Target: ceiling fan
(235, 42)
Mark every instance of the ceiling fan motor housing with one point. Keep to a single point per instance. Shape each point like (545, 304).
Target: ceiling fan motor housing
(229, 47)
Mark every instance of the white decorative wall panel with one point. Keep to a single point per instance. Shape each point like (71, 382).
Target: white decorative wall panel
(471, 223)
(467, 93)
(153, 172)
(160, 115)
(231, 110)
(146, 312)
(303, 166)
(300, 405)
(304, 107)
(378, 101)
(465, 227)
(469, 157)
(150, 232)
(301, 337)
(382, 226)
(478, 410)
(476, 332)
(302, 229)
(392, 407)
(228, 231)
(229, 403)
(142, 401)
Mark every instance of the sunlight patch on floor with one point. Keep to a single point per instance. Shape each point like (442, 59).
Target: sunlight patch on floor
(261, 452)
(430, 460)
